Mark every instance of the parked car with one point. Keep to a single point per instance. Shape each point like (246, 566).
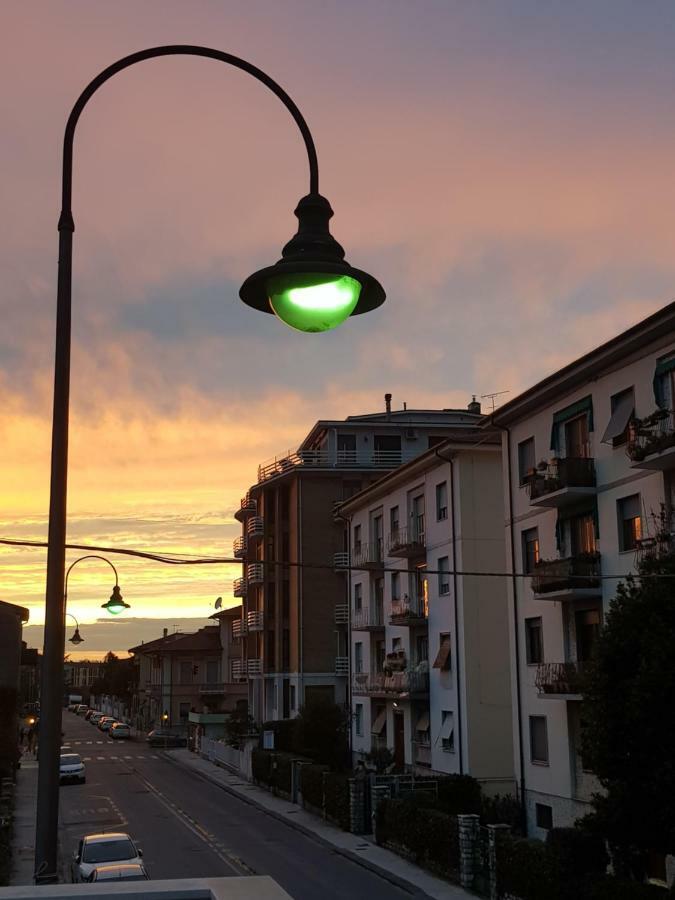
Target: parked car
(96, 850)
(120, 872)
(81, 709)
(106, 723)
(120, 730)
(71, 768)
(162, 738)
(95, 718)
(89, 713)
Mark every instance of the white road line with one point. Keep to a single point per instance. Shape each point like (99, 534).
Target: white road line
(86, 759)
(113, 757)
(128, 757)
(154, 757)
(140, 757)
(100, 757)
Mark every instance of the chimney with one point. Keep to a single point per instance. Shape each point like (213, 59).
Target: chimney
(166, 631)
(474, 406)
(387, 403)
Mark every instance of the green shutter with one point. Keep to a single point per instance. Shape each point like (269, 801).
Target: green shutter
(663, 367)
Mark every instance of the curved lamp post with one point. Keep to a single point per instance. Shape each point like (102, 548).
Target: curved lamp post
(311, 288)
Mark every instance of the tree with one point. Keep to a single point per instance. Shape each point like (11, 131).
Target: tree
(239, 725)
(628, 739)
(321, 733)
(119, 678)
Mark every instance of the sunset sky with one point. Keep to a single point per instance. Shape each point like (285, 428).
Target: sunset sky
(505, 169)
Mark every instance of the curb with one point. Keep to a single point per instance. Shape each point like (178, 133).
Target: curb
(396, 880)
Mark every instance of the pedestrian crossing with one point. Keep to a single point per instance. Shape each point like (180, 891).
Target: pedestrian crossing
(118, 758)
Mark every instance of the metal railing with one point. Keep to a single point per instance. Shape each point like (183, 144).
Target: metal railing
(238, 670)
(342, 665)
(341, 561)
(255, 527)
(368, 617)
(368, 555)
(330, 459)
(559, 678)
(239, 628)
(567, 472)
(239, 587)
(254, 666)
(574, 572)
(407, 541)
(255, 573)
(254, 620)
(239, 547)
(653, 434)
(212, 688)
(247, 507)
(398, 684)
(341, 613)
(407, 609)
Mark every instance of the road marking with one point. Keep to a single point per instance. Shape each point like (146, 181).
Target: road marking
(128, 757)
(86, 759)
(154, 757)
(100, 757)
(113, 757)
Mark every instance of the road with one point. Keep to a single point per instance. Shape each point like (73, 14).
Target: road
(188, 827)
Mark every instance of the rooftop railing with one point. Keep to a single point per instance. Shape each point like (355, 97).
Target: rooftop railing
(330, 459)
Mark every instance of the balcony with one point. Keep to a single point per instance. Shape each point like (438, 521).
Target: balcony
(563, 481)
(573, 578)
(239, 548)
(342, 665)
(238, 670)
(368, 556)
(341, 614)
(341, 562)
(247, 507)
(293, 460)
(651, 441)
(254, 667)
(407, 543)
(254, 620)
(255, 573)
(211, 689)
(239, 628)
(559, 681)
(408, 612)
(397, 685)
(651, 550)
(368, 618)
(255, 528)
(422, 751)
(239, 587)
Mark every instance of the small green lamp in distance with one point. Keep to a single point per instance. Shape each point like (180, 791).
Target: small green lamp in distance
(116, 604)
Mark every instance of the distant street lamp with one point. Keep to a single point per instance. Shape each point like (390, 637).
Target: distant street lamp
(77, 637)
(310, 288)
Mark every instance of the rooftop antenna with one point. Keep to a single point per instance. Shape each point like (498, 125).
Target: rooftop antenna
(492, 397)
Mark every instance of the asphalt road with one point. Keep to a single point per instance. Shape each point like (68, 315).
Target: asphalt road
(188, 827)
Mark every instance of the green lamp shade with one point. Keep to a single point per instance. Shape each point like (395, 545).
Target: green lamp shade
(116, 604)
(114, 608)
(313, 301)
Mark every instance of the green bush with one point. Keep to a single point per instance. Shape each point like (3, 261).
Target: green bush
(427, 834)
(261, 765)
(285, 734)
(502, 809)
(576, 853)
(459, 795)
(525, 869)
(311, 784)
(336, 799)
(610, 888)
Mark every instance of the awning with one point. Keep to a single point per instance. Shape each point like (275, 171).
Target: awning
(585, 405)
(379, 723)
(442, 660)
(447, 726)
(663, 367)
(620, 417)
(423, 722)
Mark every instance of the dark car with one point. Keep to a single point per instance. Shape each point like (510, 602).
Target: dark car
(162, 738)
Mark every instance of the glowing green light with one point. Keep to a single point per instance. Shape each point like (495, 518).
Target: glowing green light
(313, 302)
(114, 609)
(116, 604)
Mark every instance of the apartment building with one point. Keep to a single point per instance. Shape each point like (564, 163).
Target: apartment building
(429, 659)
(294, 628)
(589, 457)
(81, 674)
(189, 680)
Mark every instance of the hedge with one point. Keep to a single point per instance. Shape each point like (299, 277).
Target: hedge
(610, 888)
(311, 785)
(525, 869)
(428, 835)
(272, 769)
(459, 795)
(261, 765)
(336, 799)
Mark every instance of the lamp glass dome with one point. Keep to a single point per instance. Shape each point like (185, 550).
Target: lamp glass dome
(77, 637)
(116, 604)
(312, 302)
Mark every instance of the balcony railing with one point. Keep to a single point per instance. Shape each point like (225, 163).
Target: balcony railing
(341, 613)
(239, 547)
(254, 666)
(239, 587)
(655, 548)
(368, 556)
(330, 459)
(398, 684)
(341, 561)
(238, 670)
(575, 475)
(559, 678)
(650, 438)
(254, 620)
(255, 573)
(239, 628)
(575, 573)
(255, 528)
(212, 688)
(368, 617)
(342, 665)
(408, 611)
(247, 507)
(407, 542)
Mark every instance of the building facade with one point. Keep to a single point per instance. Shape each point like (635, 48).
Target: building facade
(294, 627)
(429, 657)
(589, 463)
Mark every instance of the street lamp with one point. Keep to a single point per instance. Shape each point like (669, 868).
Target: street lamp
(116, 604)
(311, 288)
(77, 637)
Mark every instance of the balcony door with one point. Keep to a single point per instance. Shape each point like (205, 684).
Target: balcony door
(577, 438)
(581, 534)
(346, 448)
(399, 740)
(417, 518)
(587, 627)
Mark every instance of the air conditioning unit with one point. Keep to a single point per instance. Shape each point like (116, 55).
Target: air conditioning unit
(410, 434)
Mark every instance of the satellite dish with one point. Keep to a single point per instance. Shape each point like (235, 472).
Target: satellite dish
(219, 602)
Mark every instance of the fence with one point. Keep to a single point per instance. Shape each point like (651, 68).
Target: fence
(235, 759)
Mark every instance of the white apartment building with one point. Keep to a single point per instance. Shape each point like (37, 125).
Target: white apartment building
(429, 648)
(589, 457)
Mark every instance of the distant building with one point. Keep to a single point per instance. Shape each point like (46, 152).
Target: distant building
(29, 675)
(589, 479)
(12, 620)
(79, 675)
(294, 647)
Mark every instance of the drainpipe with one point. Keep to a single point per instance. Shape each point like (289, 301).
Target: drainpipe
(453, 521)
(516, 640)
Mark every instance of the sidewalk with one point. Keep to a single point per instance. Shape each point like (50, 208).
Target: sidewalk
(23, 832)
(358, 848)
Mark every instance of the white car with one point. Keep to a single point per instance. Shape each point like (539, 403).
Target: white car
(71, 768)
(120, 730)
(96, 850)
(119, 872)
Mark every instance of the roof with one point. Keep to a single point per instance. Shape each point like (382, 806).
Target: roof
(658, 327)
(231, 612)
(462, 441)
(12, 609)
(207, 638)
(157, 644)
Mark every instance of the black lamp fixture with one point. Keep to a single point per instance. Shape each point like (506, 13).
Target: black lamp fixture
(116, 604)
(77, 637)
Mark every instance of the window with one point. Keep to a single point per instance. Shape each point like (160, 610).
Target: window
(530, 539)
(630, 522)
(577, 438)
(359, 719)
(544, 816)
(292, 696)
(393, 520)
(396, 644)
(185, 676)
(286, 649)
(358, 657)
(441, 501)
(387, 448)
(623, 409)
(417, 519)
(380, 655)
(526, 461)
(395, 586)
(358, 597)
(357, 539)
(443, 575)
(212, 671)
(587, 628)
(538, 740)
(378, 594)
(184, 711)
(421, 649)
(534, 642)
(447, 734)
(346, 448)
(270, 651)
(377, 535)
(443, 659)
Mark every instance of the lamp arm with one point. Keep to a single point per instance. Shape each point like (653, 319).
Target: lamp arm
(88, 556)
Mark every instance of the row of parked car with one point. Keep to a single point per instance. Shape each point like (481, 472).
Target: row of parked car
(115, 729)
